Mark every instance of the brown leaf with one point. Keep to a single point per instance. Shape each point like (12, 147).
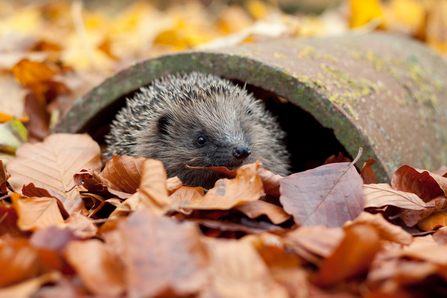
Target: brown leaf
(228, 226)
(426, 249)
(237, 270)
(52, 164)
(351, 258)
(173, 184)
(27, 288)
(336, 159)
(82, 226)
(257, 208)
(329, 195)
(39, 118)
(317, 240)
(99, 269)
(227, 193)
(19, 260)
(52, 238)
(270, 182)
(434, 221)
(422, 183)
(95, 184)
(35, 213)
(124, 172)
(161, 254)
(31, 191)
(412, 217)
(3, 178)
(8, 222)
(440, 236)
(379, 195)
(367, 172)
(385, 229)
(273, 251)
(153, 192)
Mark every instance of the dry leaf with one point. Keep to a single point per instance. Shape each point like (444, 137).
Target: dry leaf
(31, 191)
(153, 192)
(124, 172)
(367, 172)
(270, 182)
(338, 158)
(422, 183)
(434, 221)
(52, 238)
(32, 72)
(386, 230)
(379, 195)
(273, 250)
(328, 195)
(52, 164)
(99, 269)
(82, 226)
(317, 240)
(237, 270)
(8, 222)
(257, 208)
(154, 260)
(440, 236)
(27, 288)
(412, 217)
(12, 104)
(35, 213)
(227, 193)
(95, 184)
(19, 260)
(3, 178)
(351, 258)
(173, 184)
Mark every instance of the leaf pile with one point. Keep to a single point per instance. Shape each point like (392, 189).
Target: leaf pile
(72, 230)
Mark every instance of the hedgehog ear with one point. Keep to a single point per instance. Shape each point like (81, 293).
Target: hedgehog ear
(163, 123)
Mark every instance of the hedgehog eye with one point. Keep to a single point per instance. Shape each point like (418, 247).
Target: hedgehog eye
(201, 141)
(163, 123)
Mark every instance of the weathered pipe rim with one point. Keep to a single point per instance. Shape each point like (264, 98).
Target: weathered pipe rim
(238, 67)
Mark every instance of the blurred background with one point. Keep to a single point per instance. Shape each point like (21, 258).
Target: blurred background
(52, 52)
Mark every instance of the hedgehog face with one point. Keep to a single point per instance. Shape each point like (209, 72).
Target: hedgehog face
(198, 120)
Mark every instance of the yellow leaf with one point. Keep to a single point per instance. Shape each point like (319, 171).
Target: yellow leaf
(256, 8)
(32, 72)
(363, 12)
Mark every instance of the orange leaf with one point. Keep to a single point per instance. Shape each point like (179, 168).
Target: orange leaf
(19, 260)
(35, 213)
(32, 72)
(227, 193)
(434, 221)
(351, 258)
(270, 182)
(30, 286)
(385, 229)
(329, 195)
(124, 172)
(98, 268)
(52, 164)
(237, 270)
(257, 208)
(367, 172)
(161, 254)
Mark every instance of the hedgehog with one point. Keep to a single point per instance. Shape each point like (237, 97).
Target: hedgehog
(198, 120)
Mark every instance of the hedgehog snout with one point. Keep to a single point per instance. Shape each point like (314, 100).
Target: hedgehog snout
(241, 151)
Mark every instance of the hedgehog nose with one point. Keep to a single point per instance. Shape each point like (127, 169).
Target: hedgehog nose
(241, 151)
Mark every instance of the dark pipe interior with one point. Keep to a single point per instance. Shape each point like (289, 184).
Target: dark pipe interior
(309, 143)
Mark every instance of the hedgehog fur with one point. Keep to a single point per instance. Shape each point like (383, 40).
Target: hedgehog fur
(199, 120)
